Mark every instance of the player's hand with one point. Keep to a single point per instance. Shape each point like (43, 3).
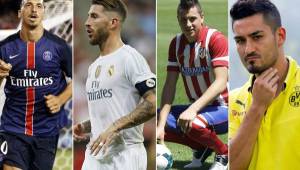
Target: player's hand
(53, 103)
(78, 133)
(103, 141)
(265, 87)
(4, 69)
(160, 134)
(186, 118)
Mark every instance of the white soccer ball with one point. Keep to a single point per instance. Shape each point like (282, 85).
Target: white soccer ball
(164, 159)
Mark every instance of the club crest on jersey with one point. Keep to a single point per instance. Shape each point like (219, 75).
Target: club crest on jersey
(294, 98)
(111, 70)
(202, 52)
(47, 56)
(97, 72)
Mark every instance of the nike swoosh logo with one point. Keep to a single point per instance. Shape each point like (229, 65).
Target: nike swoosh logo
(13, 56)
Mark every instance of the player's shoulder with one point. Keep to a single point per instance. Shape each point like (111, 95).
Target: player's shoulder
(54, 38)
(239, 92)
(216, 34)
(129, 51)
(10, 38)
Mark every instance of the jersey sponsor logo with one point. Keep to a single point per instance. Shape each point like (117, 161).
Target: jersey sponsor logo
(150, 83)
(47, 56)
(238, 113)
(294, 98)
(194, 71)
(31, 79)
(111, 70)
(13, 56)
(95, 93)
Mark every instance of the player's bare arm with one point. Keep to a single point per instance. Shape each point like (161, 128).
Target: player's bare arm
(143, 112)
(217, 87)
(54, 103)
(4, 70)
(168, 94)
(80, 131)
(241, 146)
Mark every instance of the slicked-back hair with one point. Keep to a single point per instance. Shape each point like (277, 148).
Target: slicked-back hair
(245, 8)
(117, 6)
(188, 4)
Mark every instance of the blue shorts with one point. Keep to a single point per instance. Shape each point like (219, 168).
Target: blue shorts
(216, 117)
(30, 152)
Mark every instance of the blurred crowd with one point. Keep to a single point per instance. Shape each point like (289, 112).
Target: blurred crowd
(9, 14)
(139, 31)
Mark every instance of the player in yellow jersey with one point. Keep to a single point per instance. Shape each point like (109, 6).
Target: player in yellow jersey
(264, 114)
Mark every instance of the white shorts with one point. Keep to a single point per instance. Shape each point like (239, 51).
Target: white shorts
(134, 157)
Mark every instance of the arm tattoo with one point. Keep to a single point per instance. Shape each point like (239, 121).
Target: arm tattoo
(86, 126)
(143, 112)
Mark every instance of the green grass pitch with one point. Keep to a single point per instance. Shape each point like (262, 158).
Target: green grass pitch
(215, 13)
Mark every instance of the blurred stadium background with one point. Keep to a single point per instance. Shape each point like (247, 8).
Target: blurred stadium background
(290, 18)
(58, 20)
(139, 32)
(215, 13)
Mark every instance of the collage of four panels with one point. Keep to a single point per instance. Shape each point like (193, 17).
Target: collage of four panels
(153, 84)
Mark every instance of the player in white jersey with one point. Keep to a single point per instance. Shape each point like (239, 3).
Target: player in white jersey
(200, 55)
(117, 81)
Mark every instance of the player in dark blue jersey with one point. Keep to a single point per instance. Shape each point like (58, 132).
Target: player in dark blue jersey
(35, 64)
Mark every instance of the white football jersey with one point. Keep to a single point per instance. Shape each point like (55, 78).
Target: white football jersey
(111, 91)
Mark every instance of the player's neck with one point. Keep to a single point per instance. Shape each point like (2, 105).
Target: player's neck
(32, 35)
(110, 45)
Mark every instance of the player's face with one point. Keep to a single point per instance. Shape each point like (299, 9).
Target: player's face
(256, 43)
(190, 22)
(32, 13)
(96, 25)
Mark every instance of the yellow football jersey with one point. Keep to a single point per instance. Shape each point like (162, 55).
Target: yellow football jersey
(278, 142)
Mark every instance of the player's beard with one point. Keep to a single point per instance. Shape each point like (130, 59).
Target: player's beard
(100, 37)
(253, 69)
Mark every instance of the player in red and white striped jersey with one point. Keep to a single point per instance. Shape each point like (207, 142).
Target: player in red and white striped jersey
(200, 55)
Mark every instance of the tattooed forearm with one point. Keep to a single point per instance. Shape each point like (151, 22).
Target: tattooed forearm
(86, 126)
(143, 112)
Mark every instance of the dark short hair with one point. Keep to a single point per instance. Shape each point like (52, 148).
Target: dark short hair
(188, 4)
(246, 8)
(117, 6)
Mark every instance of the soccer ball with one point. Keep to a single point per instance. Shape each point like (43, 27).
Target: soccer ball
(164, 158)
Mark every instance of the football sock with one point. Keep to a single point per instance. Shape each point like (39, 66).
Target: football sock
(207, 137)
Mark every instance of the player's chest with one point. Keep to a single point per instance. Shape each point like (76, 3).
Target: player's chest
(105, 76)
(32, 58)
(194, 57)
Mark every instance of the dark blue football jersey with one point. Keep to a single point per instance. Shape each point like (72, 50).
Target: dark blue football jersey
(38, 69)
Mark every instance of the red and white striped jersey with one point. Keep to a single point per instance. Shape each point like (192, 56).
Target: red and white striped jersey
(196, 61)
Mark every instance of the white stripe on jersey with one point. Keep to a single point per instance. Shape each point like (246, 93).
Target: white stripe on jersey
(189, 78)
(173, 63)
(225, 58)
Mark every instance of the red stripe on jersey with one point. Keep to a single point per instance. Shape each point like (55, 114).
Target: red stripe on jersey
(194, 78)
(30, 94)
(30, 55)
(30, 91)
(203, 63)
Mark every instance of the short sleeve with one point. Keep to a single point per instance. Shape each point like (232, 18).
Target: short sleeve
(66, 53)
(172, 59)
(218, 49)
(137, 69)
